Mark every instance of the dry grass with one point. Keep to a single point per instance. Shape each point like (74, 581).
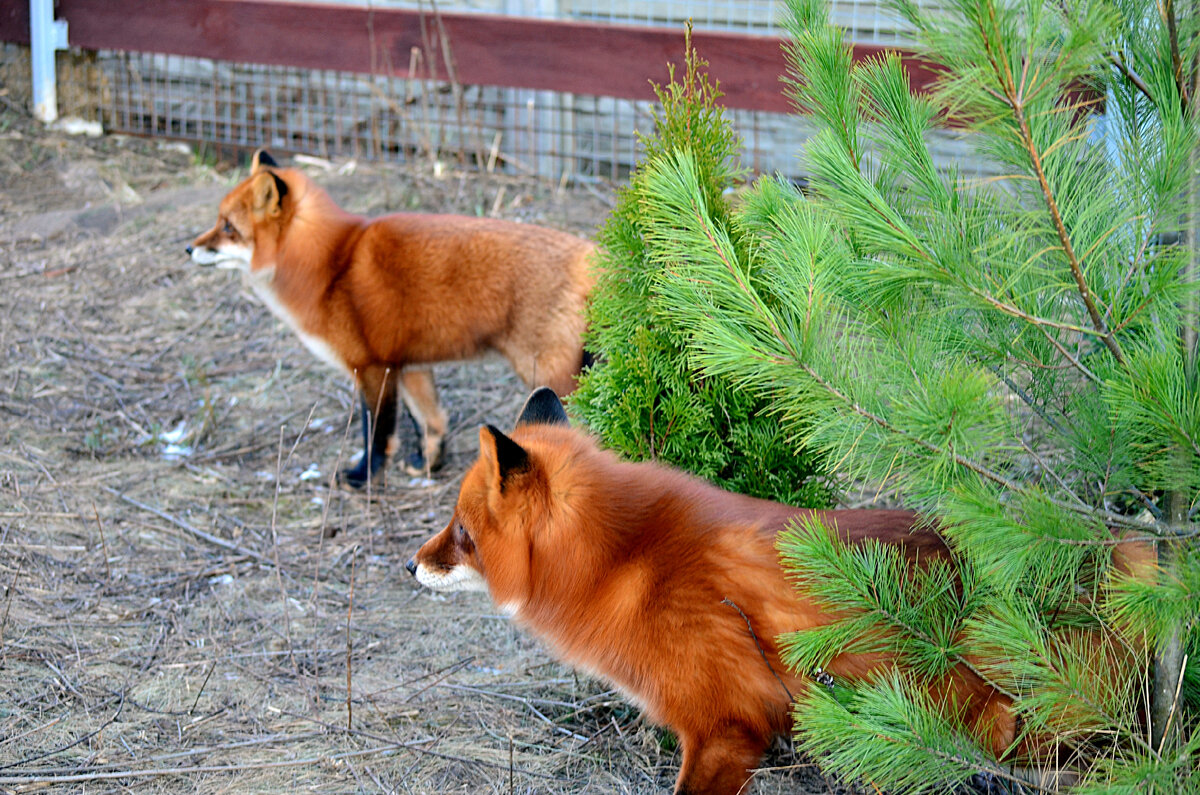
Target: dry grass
(223, 620)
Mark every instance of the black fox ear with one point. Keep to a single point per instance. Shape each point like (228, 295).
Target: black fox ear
(542, 408)
(507, 458)
(261, 159)
(280, 185)
(269, 190)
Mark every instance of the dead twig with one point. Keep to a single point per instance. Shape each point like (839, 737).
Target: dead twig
(750, 629)
(350, 645)
(69, 745)
(206, 749)
(287, 615)
(31, 732)
(529, 705)
(415, 746)
(8, 600)
(35, 778)
(203, 685)
(203, 536)
(103, 544)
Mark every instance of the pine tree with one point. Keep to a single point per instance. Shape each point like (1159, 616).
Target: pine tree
(643, 398)
(1015, 357)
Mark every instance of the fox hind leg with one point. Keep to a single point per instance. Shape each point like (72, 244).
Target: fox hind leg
(420, 397)
(377, 387)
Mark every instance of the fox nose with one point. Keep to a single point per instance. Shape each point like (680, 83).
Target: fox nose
(411, 566)
(189, 251)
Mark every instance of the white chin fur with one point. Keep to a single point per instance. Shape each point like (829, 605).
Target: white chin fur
(227, 257)
(459, 578)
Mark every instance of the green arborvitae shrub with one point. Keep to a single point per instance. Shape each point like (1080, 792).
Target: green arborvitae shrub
(642, 397)
(1015, 356)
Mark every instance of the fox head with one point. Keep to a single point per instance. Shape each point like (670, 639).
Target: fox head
(486, 545)
(250, 218)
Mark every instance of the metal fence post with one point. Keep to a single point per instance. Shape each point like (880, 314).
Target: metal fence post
(46, 34)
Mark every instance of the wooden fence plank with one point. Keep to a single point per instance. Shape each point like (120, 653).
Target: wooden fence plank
(555, 55)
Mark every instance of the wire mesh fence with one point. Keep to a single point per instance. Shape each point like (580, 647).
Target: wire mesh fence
(330, 113)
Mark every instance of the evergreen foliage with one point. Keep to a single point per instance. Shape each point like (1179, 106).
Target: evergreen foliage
(1015, 356)
(642, 397)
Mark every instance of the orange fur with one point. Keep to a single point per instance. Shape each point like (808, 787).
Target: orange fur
(623, 568)
(383, 299)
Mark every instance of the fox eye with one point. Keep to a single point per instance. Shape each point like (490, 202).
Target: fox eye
(463, 538)
(227, 229)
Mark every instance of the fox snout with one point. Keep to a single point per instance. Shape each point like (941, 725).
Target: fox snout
(202, 255)
(223, 255)
(442, 565)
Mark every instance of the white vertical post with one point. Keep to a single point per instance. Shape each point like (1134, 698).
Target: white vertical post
(534, 137)
(45, 36)
(548, 114)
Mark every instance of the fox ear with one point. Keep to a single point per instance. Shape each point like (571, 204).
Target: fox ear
(542, 408)
(505, 458)
(260, 160)
(268, 190)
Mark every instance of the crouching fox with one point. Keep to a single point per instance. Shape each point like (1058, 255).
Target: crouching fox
(664, 585)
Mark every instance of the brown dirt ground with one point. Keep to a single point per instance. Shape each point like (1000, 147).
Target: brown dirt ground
(136, 655)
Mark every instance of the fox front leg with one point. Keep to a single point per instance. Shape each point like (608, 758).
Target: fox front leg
(719, 762)
(379, 403)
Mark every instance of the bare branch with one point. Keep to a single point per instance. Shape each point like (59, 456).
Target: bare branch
(1167, 9)
(1118, 61)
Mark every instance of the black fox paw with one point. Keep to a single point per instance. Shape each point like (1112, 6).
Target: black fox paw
(414, 465)
(358, 476)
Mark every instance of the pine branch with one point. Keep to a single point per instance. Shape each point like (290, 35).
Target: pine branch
(794, 359)
(1026, 398)
(891, 737)
(1078, 365)
(1053, 474)
(1138, 310)
(919, 633)
(870, 311)
(869, 599)
(1084, 696)
(1116, 60)
(1017, 312)
(988, 767)
(1159, 528)
(1014, 96)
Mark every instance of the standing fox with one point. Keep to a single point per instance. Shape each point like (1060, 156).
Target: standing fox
(384, 299)
(624, 570)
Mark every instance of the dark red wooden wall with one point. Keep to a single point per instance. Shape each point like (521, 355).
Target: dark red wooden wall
(556, 55)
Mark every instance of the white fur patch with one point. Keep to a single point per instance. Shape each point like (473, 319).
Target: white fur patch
(261, 282)
(510, 609)
(627, 695)
(459, 578)
(322, 350)
(229, 257)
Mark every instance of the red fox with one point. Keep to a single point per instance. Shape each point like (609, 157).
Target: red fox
(384, 299)
(649, 578)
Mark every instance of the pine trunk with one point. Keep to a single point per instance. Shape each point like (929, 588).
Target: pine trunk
(1170, 659)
